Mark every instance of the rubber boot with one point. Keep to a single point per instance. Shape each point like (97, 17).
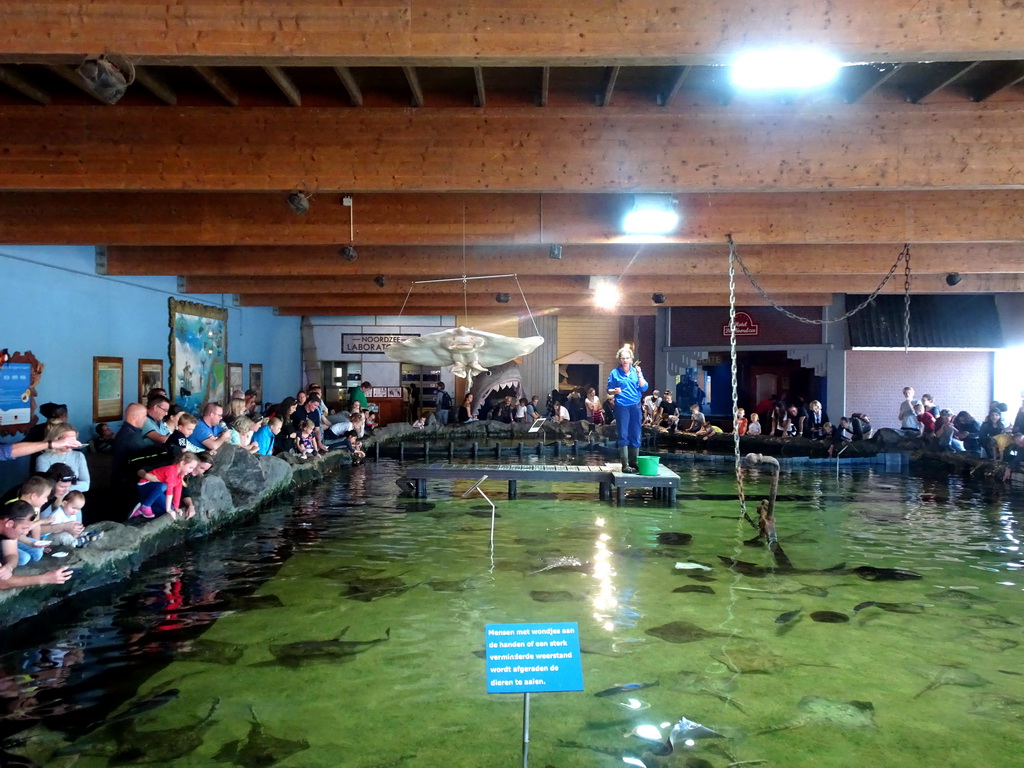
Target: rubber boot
(624, 455)
(633, 452)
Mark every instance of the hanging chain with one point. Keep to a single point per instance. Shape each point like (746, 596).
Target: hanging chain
(906, 298)
(904, 255)
(737, 461)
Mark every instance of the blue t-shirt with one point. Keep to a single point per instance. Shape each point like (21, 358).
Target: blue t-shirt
(630, 384)
(204, 432)
(264, 440)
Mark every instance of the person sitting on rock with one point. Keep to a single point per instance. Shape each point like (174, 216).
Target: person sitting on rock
(305, 443)
(264, 437)
(697, 420)
(16, 520)
(1013, 456)
(925, 419)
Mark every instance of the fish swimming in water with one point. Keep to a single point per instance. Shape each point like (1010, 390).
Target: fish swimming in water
(700, 588)
(258, 748)
(890, 607)
(673, 537)
(627, 688)
(692, 567)
(871, 573)
(788, 616)
(311, 651)
(830, 617)
(562, 563)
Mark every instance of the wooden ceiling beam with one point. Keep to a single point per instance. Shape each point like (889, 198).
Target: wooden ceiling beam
(125, 218)
(899, 147)
(514, 32)
(415, 89)
(476, 314)
(297, 290)
(12, 79)
(219, 83)
(285, 84)
(152, 82)
(684, 260)
(355, 95)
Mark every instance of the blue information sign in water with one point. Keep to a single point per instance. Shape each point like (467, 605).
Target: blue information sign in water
(525, 658)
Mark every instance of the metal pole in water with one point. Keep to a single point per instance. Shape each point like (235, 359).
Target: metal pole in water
(401, 451)
(526, 729)
(451, 450)
(426, 450)
(521, 447)
(476, 449)
(497, 449)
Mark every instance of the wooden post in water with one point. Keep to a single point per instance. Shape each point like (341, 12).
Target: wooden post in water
(401, 451)
(426, 451)
(451, 450)
(521, 449)
(497, 449)
(376, 451)
(476, 450)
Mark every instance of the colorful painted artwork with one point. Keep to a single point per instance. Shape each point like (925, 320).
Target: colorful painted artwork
(19, 376)
(198, 353)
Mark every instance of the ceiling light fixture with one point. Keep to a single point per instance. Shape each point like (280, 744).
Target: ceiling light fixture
(298, 202)
(783, 69)
(502, 298)
(606, 294)
(953, 278)
(106, 78)
(651, 215)
(347, 252)
(380, 280)
(658, 298)
(555, 252)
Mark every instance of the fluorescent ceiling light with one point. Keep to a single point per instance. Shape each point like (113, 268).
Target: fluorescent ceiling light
(781, 69)
(651, 215)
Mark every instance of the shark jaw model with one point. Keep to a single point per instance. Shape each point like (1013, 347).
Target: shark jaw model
(468, 351)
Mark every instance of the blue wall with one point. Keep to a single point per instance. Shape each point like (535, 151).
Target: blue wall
(58, 308)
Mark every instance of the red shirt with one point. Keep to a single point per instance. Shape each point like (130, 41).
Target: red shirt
(928, 420)
(741, 425)
(174, 481)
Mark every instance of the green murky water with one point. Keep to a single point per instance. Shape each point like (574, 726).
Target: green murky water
(414, 584)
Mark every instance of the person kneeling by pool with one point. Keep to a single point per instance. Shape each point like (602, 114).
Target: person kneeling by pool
(16, 519)
(627, 384)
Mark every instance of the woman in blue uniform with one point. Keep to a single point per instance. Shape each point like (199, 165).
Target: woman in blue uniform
(627, 384)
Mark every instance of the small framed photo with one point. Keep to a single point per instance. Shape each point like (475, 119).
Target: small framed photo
(256, 380)
(107, 388)
(151, 376)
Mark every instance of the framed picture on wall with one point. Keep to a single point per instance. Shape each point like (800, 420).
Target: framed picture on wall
(198, 352)
(234, 380)
(151, 376)
(107, 388)
(18, 381)
(256, 381)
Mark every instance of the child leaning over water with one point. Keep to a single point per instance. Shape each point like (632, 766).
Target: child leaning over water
(168, 482)
(70, 511)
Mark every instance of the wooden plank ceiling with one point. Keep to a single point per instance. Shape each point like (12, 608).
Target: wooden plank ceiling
(482, 138)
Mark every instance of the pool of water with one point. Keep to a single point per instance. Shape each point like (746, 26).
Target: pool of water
(222, 655)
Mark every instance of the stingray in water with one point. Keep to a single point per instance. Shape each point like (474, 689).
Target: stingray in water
(982, 642)
(830, 617)
(817, 710)
(563, 563)
(960, 597)
(683, 632)
(990, 621)
(258, 749)
(760, 571)
(998, 707)
(449, 585)
(368, 590)
(627, 688)
(347, 572)
(558, 596)
(126, 745)
(674, 537)
(336, 650)
(945, 674)
(788, 616)
(707, 685)
(755, 659)
(211, 651)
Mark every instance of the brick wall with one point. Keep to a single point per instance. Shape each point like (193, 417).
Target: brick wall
(960, 381)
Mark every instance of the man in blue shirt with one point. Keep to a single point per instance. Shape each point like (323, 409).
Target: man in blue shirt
(627, 384)
(210, 434)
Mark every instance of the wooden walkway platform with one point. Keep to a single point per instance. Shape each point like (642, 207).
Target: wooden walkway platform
(665, 485)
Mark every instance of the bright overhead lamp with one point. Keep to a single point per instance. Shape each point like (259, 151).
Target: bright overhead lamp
(606, 293)
(298, 201)
(651, 215)
(783, 69)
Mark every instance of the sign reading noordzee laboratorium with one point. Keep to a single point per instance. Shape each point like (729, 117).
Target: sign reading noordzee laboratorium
(374, 343)
(525, 658)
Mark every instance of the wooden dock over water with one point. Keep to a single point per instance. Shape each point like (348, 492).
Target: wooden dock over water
(611, 482)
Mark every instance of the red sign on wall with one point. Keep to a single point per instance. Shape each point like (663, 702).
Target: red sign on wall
(745, 325)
